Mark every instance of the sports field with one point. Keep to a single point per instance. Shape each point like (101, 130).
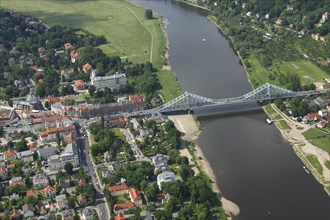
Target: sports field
(116, 20)
(307, 71)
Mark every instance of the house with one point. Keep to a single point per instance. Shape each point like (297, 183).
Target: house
(279, 21)
(106, 173)
(50, 216)
(118, 190)
(53, 207)
(27, 207)
(59, 53)
(165, 177)
(81, 182)
(79, 85)
(64, 182)
(15, 214)
(316, 36)
(8, 116)
(52, 99)
(136, 98)
(16, 181)
(3, 172)
(14, 196)
(46, 152)
(123, 207)
(68, 214)
(25, 156)
(146, 215)
(32, 193)
(321, 124)
(40, 180)
(115, 122)
(81, 199)
(136, 124)
(135, 196)
(159, 159)
(323, 112)
(50, 191)
(74, 56)
(120, 217)
(50, 134)
(321, 102)
(107, 157)
(87, 67)
(9, 155)
(61, 201)
(87, 214)
(311, 118)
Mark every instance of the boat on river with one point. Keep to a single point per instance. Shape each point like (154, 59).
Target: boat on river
(306, 169)
(269, 121)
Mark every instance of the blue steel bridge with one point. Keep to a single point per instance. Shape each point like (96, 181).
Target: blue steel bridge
(189, 101)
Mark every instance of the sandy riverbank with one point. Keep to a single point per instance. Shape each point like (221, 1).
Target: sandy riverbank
(189, 128)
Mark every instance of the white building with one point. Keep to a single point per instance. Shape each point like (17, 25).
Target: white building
(25, 156)
(112, 82)
(165, 177)
(40, 180)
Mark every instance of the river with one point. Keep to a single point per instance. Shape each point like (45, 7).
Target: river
(254, 166)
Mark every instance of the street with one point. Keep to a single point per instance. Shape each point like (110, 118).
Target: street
(85, 161)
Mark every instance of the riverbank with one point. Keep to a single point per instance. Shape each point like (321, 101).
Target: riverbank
(302, 147)
(189, 129)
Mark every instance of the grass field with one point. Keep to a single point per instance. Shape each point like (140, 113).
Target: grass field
(283, 124)
(307, 71)
(313, 133)
(323, 143)
(172, 87)
(316, 164)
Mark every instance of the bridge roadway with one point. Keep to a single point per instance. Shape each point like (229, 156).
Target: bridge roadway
(189, 101)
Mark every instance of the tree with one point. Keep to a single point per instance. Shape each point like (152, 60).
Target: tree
(68, 167)
(91, 90)
(148, 14)
(58, 139)
(71, 202)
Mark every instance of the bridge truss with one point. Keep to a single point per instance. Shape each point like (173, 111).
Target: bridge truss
(190, 101)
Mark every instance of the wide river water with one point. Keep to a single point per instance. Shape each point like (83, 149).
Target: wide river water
(254, 167)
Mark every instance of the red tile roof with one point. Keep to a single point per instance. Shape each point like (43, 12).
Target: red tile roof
(118, 188)
(3, 170)
(32, 193)
(49, 188)
(136, 98)
(11, 166)
(135, 194)
(86, 67)
(127, 205)
(79, 83)
(10, 153)
(55, 130)
(119, 217)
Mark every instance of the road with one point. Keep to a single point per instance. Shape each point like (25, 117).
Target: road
(86, 162)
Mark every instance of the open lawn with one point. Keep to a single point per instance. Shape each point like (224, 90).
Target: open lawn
(307, 71)
(313, 133)
(283, 124)
(323, 143)
(316, 164)
(118, 133)
(116, 20)
(171, 87)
